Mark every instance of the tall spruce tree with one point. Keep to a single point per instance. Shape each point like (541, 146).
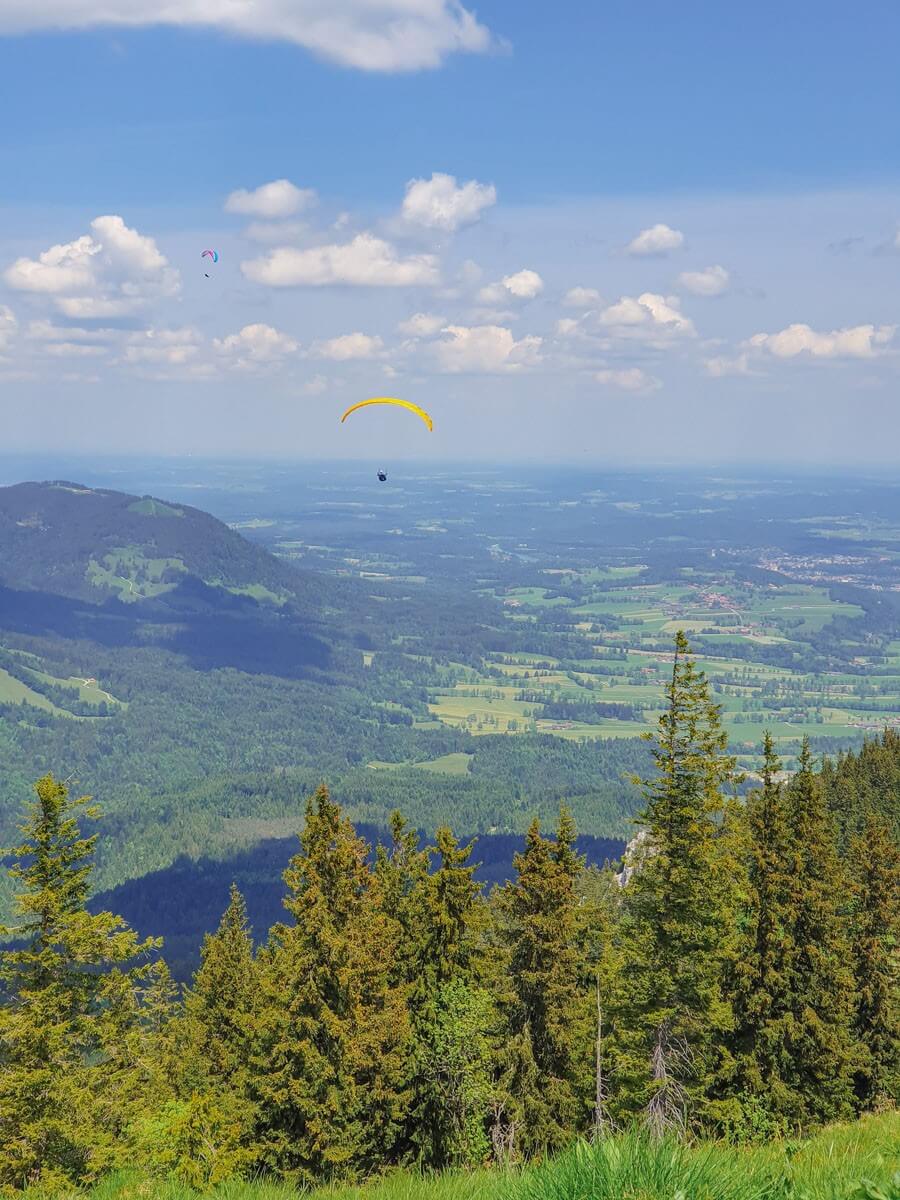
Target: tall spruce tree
(452, 1014)
(332, 1063)
(159, 1014)
(205, 1133)
(549, 1015)
(69, 1004)
(875, 863)
(219, 1007)
(402, 873)
(448, 913)
(678, 918)
(760, 981)
(820, 1047)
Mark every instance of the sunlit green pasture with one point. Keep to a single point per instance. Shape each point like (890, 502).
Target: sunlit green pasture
(17, 691)
(13, 691)
(127, 571)
(456, 763)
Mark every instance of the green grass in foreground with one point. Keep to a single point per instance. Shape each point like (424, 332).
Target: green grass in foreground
(846, 1162)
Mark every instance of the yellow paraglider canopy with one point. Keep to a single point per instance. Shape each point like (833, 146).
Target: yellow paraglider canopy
(420, 412)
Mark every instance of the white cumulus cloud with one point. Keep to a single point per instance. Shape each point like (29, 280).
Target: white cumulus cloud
(711, 281)
(349, 346)
(626, 311)
(112, 271)
(255, 344)
(858, 341)
(371, 35)
(648, 310)
(485, 348)
(658, 239)
(366, 261)
(581, 297)
(629, 379)
(271, 201)
(441, 203)
(523, 285)
(62, 268)
(422, 325)
(665, 311)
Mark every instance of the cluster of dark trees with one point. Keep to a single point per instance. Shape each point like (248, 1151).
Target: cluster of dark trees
(591, 712)
(741, 980)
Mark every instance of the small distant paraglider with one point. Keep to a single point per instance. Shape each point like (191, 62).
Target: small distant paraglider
(212, 255)
(413, 408)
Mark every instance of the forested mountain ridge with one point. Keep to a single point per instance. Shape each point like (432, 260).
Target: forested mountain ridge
(94, 565)
(93, 543)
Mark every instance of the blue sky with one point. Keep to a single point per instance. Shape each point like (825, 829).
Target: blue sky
(652, 231)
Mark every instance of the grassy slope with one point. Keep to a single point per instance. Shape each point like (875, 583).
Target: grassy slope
(846, 1162)
(13, 691)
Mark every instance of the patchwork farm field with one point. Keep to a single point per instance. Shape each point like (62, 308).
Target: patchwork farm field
(739, 632)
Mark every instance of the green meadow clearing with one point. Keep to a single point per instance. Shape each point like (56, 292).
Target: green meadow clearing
(456, 763)
(23, 687)
(14, 691)
(128, 572)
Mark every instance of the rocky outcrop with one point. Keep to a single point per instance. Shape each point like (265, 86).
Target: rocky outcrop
(636, 852)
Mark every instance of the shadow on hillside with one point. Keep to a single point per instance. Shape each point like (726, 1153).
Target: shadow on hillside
(186, 900)
(208, 626)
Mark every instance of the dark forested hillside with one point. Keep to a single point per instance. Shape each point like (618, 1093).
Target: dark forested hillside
(52, 533)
